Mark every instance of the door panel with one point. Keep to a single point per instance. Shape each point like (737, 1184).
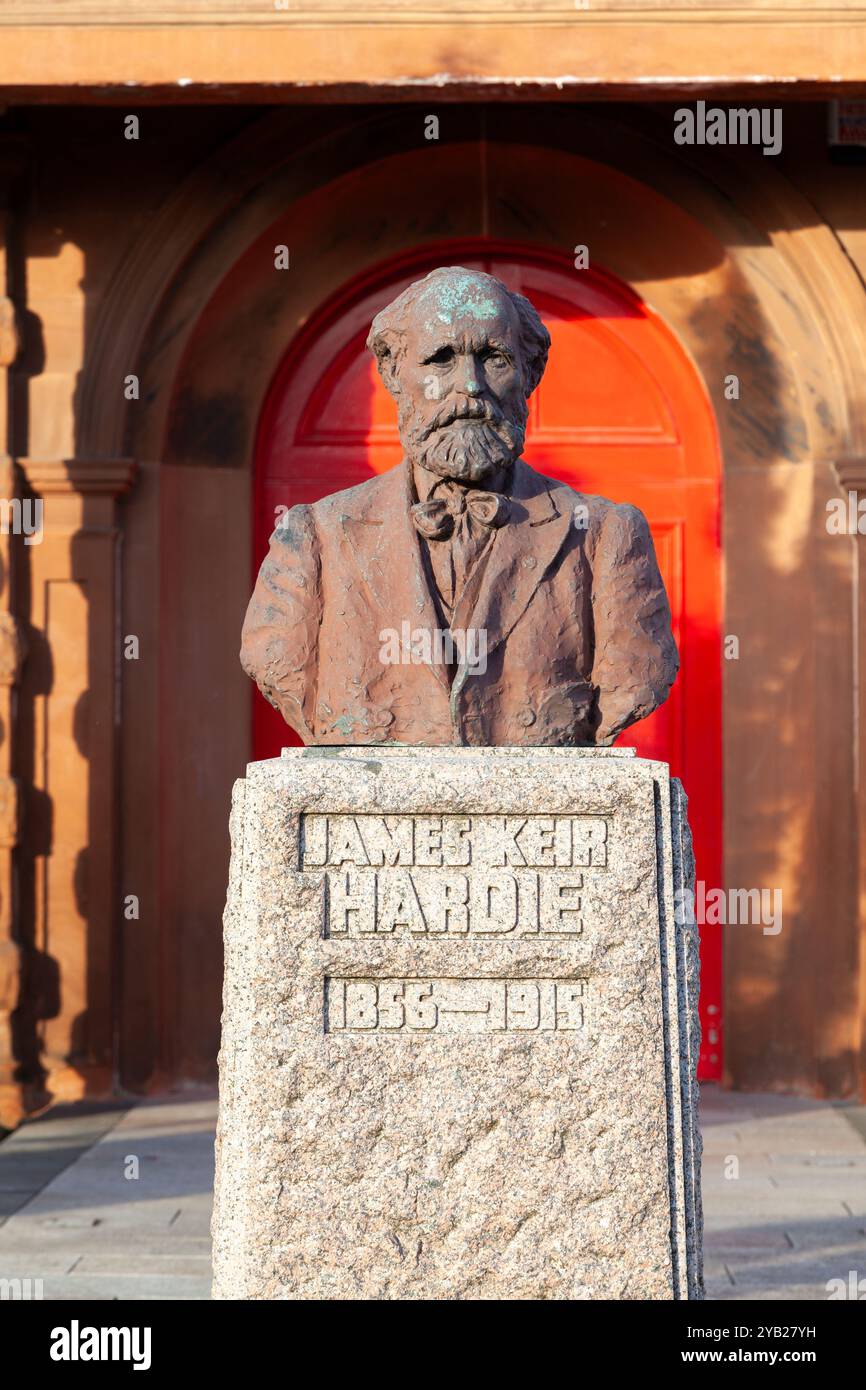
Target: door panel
(620, 412)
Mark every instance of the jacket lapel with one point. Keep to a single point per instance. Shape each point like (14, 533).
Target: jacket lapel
(385, 548)
(386, 551)
(502, 584)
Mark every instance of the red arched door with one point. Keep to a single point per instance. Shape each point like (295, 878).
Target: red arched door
(621, 411)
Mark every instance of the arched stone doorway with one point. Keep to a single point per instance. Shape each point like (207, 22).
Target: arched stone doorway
(748, 281)
(621, 412)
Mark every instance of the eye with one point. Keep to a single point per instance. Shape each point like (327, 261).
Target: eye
(497, 358)
(442, 357)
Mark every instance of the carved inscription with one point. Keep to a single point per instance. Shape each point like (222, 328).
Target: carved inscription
(454, 1006)
(453, 874)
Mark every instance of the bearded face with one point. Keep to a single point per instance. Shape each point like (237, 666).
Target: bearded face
(468, 442)
(459, 380)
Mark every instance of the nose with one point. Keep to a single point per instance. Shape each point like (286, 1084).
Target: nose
(471, 384)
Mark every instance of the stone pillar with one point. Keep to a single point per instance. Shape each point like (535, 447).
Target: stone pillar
(13, 1099)
(460, 1029)
(852, 477)
(69, 890)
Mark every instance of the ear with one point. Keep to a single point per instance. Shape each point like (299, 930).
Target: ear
(533, 371)
(388, 349)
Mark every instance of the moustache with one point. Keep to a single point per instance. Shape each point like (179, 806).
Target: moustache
(453, 414)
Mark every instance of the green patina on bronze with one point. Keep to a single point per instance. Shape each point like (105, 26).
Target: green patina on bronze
(462, 294)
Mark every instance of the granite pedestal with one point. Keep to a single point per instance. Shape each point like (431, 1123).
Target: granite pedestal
(460, 1029)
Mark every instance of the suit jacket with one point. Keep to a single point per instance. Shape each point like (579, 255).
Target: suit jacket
(568, 595)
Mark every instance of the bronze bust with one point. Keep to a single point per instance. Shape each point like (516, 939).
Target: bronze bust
(461, 598)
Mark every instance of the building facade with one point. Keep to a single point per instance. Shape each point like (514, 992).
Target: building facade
(201, 207)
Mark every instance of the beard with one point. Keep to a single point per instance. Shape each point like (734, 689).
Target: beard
(470, 447)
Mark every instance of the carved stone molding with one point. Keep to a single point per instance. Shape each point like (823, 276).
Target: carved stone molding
(108, 476)
(412, 48)
(852, 474)
(288, 13)
(10, 341)
(13, 649)
(9, 980)
(10, 812)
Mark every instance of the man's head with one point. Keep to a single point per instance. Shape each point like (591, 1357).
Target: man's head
(460, 354)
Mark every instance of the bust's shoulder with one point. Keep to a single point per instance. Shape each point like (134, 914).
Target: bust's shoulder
(302, 528)
(358, 502)
(597, 514)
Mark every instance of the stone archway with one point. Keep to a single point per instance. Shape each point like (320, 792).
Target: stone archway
(752, 285)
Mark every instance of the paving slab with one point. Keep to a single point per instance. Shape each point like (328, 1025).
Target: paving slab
(128, 1218)
(39, 1150)
(794, 1220)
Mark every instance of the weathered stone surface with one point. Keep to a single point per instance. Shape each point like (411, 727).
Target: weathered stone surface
(458, 1043)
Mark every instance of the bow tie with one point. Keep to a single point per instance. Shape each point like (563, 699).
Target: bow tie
(435, 518)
